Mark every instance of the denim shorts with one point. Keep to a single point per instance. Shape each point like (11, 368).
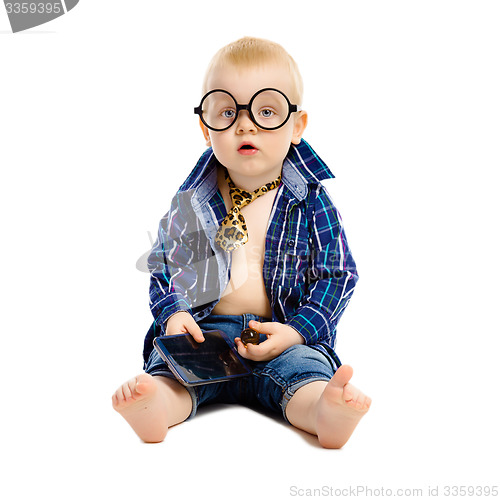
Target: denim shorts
(271, 384)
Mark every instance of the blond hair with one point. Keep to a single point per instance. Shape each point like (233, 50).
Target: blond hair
(250, 52)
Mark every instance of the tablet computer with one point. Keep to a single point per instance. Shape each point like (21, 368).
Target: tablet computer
(193, 363)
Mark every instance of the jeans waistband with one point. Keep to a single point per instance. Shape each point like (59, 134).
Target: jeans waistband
(244, 319)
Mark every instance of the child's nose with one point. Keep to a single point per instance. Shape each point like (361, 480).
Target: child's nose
(244, 124)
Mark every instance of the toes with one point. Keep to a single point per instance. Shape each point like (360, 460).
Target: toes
(141, 388)
(127, 389)
(342, 375)
(348, 395)
(143, 384)
(124, 393)
(354, 398)
(357, 400)
(118, 397)
(360, 402)
(365, 404)
(132, 391)
(351, 394)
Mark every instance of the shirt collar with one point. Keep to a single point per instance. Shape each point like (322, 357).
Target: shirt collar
(302, 166)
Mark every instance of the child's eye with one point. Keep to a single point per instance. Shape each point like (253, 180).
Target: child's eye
(267, 113)
(227, 113)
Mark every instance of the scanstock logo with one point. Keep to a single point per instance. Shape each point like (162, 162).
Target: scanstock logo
(25, 15)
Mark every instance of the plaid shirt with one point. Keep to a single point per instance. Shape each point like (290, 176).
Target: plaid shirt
(309, 273)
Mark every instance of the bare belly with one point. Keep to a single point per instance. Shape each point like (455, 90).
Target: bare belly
(245, 292)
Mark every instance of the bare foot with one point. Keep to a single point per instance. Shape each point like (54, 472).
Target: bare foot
(139, 401)
(340, 409)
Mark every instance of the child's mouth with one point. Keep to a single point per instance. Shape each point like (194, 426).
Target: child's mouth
(247, 149)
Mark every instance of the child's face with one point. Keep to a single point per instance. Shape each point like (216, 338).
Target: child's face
(271, 146)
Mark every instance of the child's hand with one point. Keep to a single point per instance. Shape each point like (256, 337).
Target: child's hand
(183, 322)
(279, 338)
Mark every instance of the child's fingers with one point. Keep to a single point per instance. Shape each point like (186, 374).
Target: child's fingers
(198, 337)
(255, 325)
(252, 351)
(184, 323)
(195, 331)
(242, 348)
(264, 328)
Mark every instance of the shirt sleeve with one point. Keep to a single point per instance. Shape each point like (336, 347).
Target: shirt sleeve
(170, 263)
(332, 273)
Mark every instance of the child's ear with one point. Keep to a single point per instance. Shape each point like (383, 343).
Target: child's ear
(299, 127)
(206, 135)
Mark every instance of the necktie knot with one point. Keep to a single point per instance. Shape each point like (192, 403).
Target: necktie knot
(233, 231)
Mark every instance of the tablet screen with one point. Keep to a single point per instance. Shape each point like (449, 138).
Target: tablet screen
(194, 363)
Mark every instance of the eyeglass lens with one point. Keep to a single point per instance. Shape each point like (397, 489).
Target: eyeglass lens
(269, 109)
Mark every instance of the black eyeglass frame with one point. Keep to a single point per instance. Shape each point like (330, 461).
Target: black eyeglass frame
(292, 108)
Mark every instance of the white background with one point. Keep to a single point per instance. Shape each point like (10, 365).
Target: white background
(96, 134)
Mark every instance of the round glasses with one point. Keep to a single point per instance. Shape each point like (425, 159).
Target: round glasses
(268, 108)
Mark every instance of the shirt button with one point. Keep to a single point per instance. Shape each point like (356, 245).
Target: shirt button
(290, 243)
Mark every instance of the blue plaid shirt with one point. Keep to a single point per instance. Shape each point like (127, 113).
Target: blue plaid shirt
(309, 273)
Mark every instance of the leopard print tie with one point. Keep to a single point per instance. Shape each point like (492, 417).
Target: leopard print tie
(233, 232)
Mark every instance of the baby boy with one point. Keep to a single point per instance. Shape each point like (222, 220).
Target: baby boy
(252, 239)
